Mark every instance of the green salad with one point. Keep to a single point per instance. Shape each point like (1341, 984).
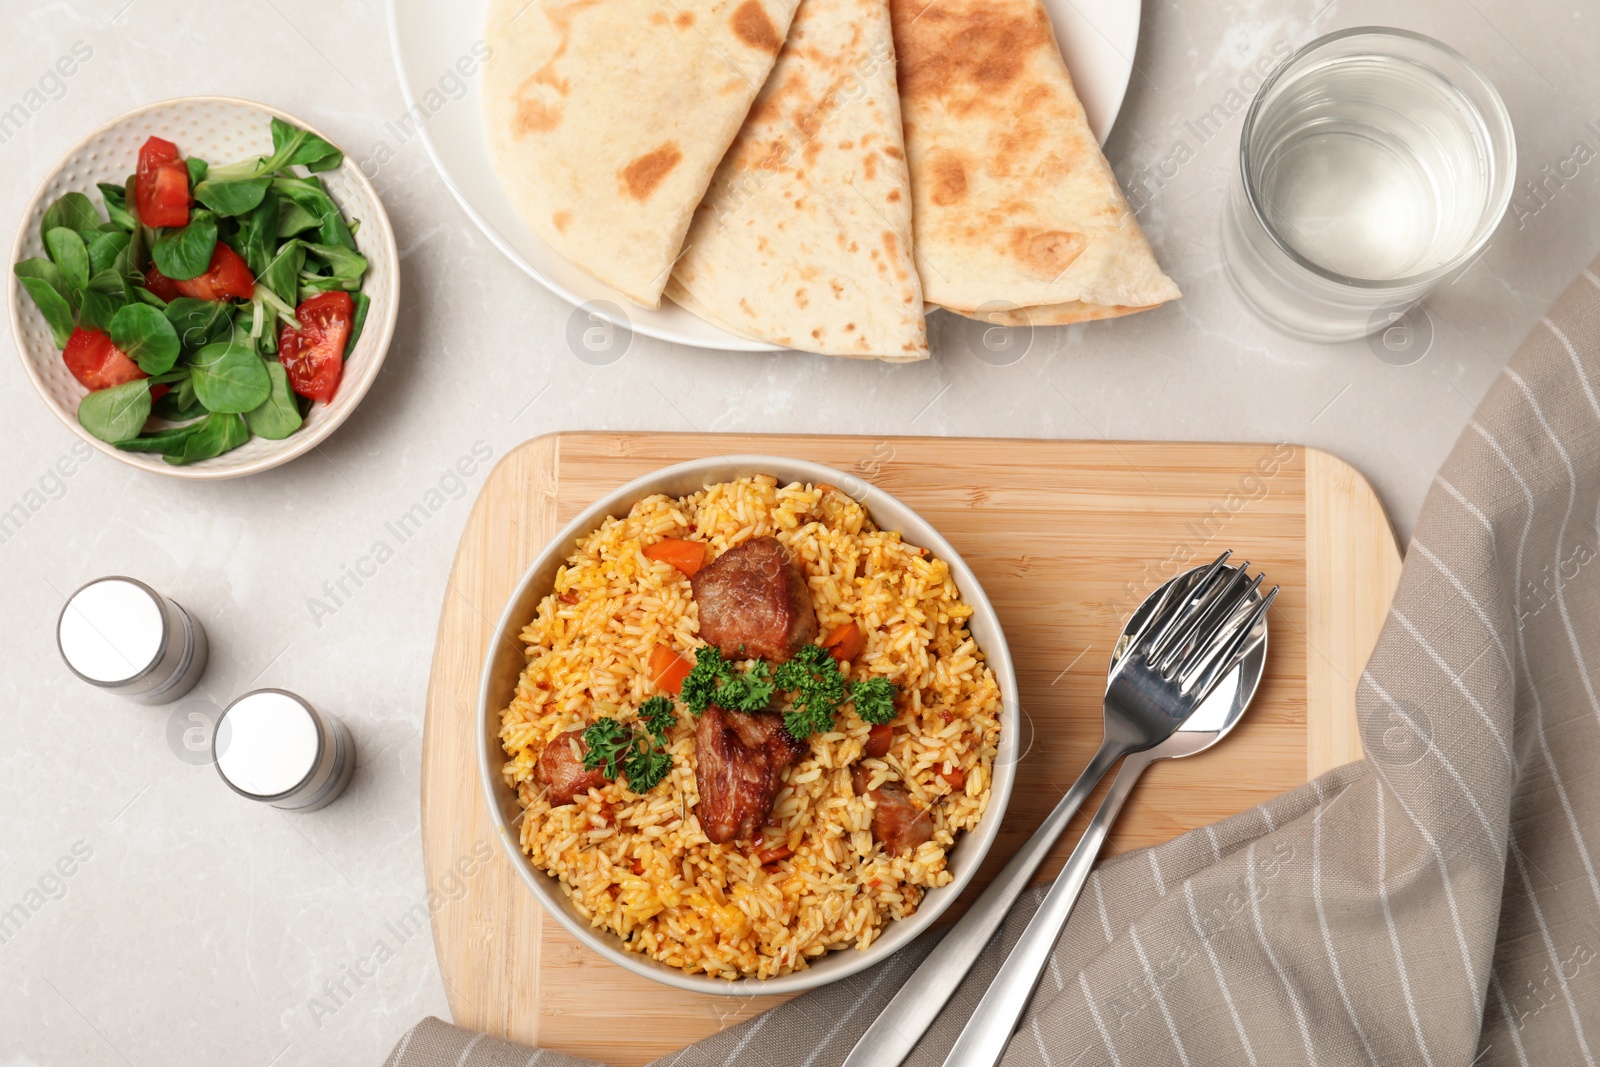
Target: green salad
(210, 303)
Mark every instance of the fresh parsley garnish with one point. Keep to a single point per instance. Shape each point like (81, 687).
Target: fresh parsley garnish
(713, 680)
(699, 687)
(646, 765)
(874, 700)
(750, 691)
(605, 744)
(640, 756)
(813, 676)
(659, 717)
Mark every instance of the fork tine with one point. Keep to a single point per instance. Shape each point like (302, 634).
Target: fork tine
(1173, 605)
(1206, 654)
(1185, 604)
(1248, 637)
(1176, 644)
(1239, 645)
(1225, 618)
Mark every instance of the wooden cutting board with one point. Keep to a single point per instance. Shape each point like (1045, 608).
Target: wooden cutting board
(1066, 536)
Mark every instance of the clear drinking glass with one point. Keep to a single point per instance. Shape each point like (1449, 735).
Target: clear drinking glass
(1374, 163)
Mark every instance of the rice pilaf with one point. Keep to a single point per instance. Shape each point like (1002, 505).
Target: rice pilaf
(641, 866)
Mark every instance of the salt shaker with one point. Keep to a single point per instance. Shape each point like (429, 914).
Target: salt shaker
(120, 635)
(273, 746)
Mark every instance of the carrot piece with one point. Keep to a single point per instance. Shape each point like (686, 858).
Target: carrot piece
(668, 669)
(878, 739)
(845, 642)
(773, 855)
(687, 556)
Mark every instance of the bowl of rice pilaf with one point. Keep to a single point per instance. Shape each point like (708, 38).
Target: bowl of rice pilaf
(747, 725)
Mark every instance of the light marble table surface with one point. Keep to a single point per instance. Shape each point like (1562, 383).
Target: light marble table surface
(195, 927)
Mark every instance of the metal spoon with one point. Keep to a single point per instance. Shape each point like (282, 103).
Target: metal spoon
(907, 1017)
(987, 1032)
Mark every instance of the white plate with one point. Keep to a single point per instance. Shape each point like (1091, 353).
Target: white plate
(437, 48)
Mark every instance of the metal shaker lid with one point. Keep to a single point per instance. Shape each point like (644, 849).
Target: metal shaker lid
(112, 631)
(267, 743)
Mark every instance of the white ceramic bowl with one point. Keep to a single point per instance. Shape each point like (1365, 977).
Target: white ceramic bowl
(504, 663)
(219, 130)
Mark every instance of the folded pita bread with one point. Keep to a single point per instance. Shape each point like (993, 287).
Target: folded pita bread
(1015, 206)
(805, 236)
(607, 119)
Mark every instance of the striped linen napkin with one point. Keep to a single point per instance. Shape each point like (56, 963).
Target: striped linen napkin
(1437, 903)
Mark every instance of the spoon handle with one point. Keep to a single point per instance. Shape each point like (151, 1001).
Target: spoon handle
(984, 1039)
(907, 1017)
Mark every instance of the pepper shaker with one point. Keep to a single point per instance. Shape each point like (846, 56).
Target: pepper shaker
(118, 634)
(273, 746)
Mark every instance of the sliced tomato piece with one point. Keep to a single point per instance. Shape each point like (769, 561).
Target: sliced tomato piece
(845, 642)
(956, 776)
(96, 362)
(161, 285)
(878, 741)
(226, 277)
(314, 354)
(161, 185)
(687, 556)
(668, 669)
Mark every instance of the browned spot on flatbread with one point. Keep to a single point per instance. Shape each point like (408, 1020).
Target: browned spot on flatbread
(752, 26)
(536, 111)
(1049, 253)
(641, 177)
(800, 298)
(534, 116)
(869, 165)
(894, 195)
(891, 245)
(948, 177)
(967, 57)
(684, 20)
(658, 18)
(561, 220)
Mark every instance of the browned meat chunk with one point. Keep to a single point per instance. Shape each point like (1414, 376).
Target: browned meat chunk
(561, 768)
(754, 601)
(896, 820)
(738, 759)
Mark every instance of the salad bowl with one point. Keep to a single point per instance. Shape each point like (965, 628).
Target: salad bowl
(220, 130)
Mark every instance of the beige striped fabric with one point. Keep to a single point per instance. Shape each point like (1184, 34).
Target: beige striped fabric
(1436, 904)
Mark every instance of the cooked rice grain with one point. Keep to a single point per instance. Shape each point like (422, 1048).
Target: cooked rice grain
(640, 866)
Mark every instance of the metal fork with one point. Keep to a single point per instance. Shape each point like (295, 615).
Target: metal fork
(1170, 668)
(1174, 615)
